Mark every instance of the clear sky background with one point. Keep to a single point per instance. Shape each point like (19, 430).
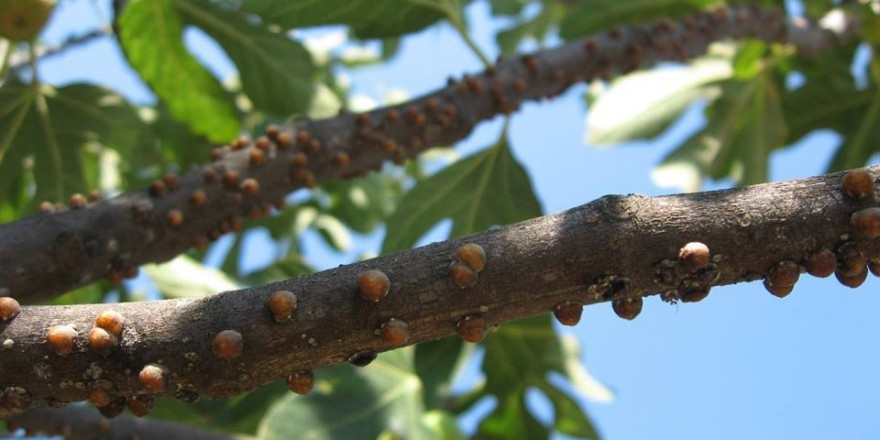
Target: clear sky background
(740, 364)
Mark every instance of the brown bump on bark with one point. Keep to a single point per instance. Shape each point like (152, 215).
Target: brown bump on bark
(256, 157)
(153, 379)
(101, 341)
(174, 217)
(282, 304)
(531, 63)
(395, 332)
(694, 255)
(472, 328)
(299, 159)
(695, 294)
(227, 344)
(77, 201)
(284, 140)
(301, 382)
(784, 274)
(9, 308)
(172, 182)
(61, 339)
(627, 308)
(198, 197)
(473, 255)
(568, 313)
(272, 132)
(263, 143)
(858, 184)
(373, 285)
(230, 179)
(341, 159)
(250, 186)
(852, 281)
(46, 207)
(111, 320)
(461, 275)
(866, 223)
(821, 263)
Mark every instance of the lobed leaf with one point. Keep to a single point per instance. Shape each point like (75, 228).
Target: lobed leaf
(276, 71)
(151, 32)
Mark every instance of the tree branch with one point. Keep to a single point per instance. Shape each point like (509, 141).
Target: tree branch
(84, 423)
(45, 255)
(611, 249)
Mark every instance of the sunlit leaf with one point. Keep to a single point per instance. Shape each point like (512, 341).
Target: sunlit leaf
(151, 32)
(486, 189)
(615, 116)
(184, 277)
(276, 71)
(443, 425)
(56, 127)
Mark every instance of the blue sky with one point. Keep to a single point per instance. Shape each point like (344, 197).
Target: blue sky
(740, 364)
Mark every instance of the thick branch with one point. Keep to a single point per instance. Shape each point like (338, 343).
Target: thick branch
(84, 423)
(45, 255)
(613, 248)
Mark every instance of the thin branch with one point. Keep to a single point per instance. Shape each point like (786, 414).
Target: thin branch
(85, 423)
(617, 248)
(17, 63)
(45, 255)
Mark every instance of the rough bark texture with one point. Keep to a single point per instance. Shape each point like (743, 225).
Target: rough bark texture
(613, 248)
(48, 254)
(84, 423)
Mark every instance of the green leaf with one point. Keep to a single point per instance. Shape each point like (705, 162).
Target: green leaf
(151, 33)
(276, 72)
(830, 99)
(862, 141)
(55, 127)
(363, 204)
(184, 277)
(591, 16)
(511, 420)
(486, 189)
(443, 425)
(519, 356)
(437, 363)
(745, 124)
(367, 18)
(352, 403)
(615, 116)
(570, 419)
